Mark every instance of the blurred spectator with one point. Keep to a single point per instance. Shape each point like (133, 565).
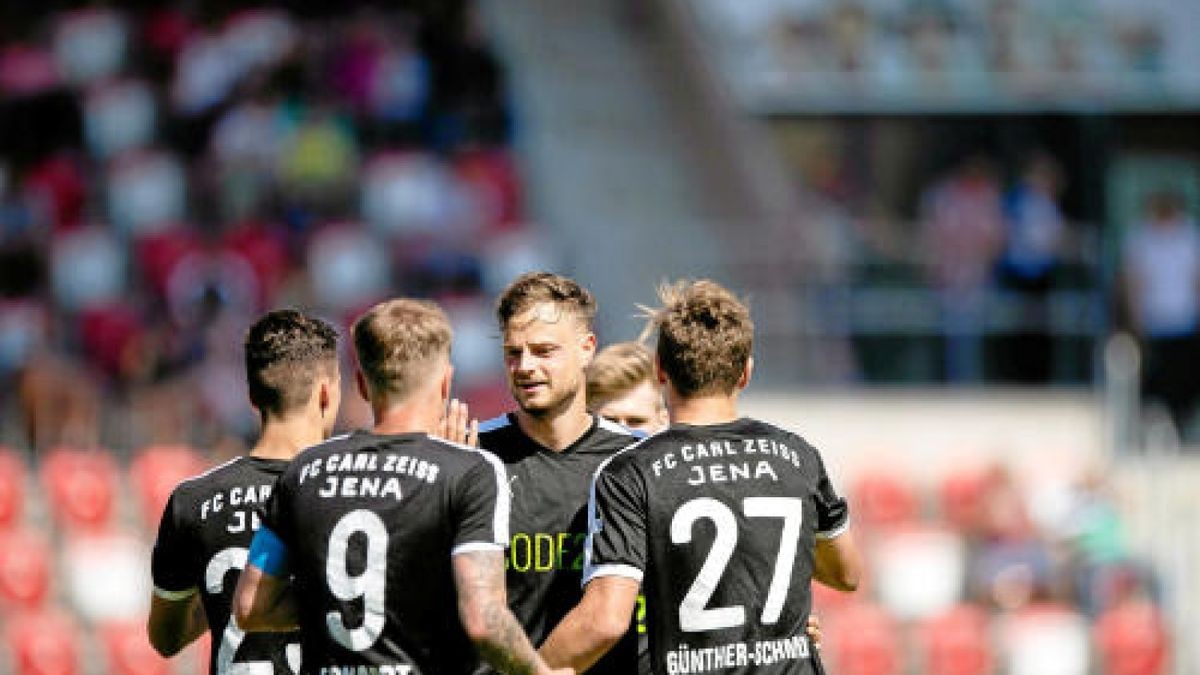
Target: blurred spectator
(1104, 570)
(1032, 248)
(1162, 288)
(961, 234)
(1010, 566)
(118, 116)
(90, 44)
(319, 160)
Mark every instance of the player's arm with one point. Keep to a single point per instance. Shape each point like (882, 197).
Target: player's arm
(176, 614)
(597, 623)
(489, 623)
(175, 621)
(263, 600)
(837, 562)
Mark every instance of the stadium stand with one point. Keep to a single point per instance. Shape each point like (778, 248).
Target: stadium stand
(172, 172)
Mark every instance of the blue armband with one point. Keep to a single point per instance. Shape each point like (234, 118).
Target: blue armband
(268, 553)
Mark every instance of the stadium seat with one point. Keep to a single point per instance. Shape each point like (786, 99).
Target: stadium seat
(43, 644)
(25, 570)
(125, 591)
(862, 639)
(127, 650)
(81, 486)
(12, 488)
(1132, 639)
(155, 472)
(957, 642)
(960, 495)
(1045, 639)
(919, 571)
(881, 500)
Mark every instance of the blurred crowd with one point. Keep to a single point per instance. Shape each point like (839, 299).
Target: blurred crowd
(956, 49)
(168, 172)
(985, 570)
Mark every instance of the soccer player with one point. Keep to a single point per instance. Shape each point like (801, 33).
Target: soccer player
(621, 387)
(551, 445)
(393, 540)
(723, 520)
(208, 522)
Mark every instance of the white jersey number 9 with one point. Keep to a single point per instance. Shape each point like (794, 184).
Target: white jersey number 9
(368, 585)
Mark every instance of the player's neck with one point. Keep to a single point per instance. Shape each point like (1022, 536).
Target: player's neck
(285, 438)
(418, 414)
(702, 410)
(559, 430)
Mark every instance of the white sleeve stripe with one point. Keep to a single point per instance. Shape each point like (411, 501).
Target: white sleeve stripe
(473, 546)
(835, 532)
(175, 595)
(627, 571)
(503, 498)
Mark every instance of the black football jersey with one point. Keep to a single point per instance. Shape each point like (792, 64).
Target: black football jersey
(370, 523)
(203, 539)
(719, 523)
(548, 524)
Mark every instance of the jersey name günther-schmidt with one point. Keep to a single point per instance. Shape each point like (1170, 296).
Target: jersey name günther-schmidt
(719, 523)
(202, 543)
(370, 523)
(549, 524)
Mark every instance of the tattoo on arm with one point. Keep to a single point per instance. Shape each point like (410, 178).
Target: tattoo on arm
(479, 577)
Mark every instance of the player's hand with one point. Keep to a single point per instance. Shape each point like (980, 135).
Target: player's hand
(813, 630)
(562, 671)
(457, 426)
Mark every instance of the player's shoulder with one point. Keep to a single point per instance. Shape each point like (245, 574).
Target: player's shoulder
(209, 480)
(458, 453)
(788, 437)
(610, 432)
(628, 457)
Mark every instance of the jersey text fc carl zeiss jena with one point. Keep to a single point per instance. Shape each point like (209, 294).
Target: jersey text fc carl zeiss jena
(719, 523)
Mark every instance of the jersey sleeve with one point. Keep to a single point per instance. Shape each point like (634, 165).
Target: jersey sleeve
(276, 513)
(833, 514)
(173, 559)
(480, 502)
(617, 510)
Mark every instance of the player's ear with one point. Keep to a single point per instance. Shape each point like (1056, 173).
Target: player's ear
(588, 345)
(659, 374)
(447, 380)
(361, 382)
(747, 371)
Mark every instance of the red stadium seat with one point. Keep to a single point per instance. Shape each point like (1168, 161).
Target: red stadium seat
(1132, 639)
(12, 488)
(24, 570)
(81, 486)
(882, 500)
(127, 650)
(960, 497)
(43, 644)
(862, 639)
(155, 473)
(957, 642)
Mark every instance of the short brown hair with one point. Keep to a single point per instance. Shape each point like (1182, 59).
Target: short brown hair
(284, 351)
(397, 341)
(705, 337)
(617, 370)
(533, 288)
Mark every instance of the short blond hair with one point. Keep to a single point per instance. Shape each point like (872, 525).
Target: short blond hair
(617, 370)
(534, 288)
(705, 337)
(398, 342)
